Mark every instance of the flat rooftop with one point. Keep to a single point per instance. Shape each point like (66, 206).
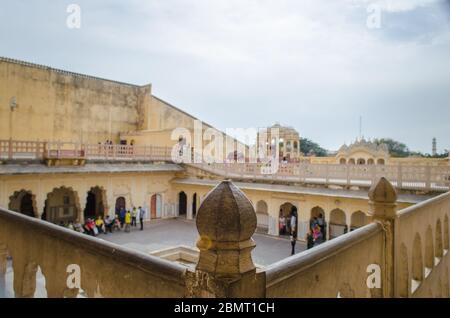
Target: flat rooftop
(17, 169)
(338, 193)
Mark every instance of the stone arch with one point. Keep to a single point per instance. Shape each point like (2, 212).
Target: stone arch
(23, 202)
(121, 203)
(315, 213)
(371, 162)
(429, 249)
(182, 204)
(381, 162)
(361, 161)
(96, 203)
(62, 205)
(351, 161)
(343, 161)
(417, 260)
(338, 223)
(358, 219)
(41, 284)
(403, 273)
(285, 218)
(439, 249)
(446, 234)
(262, 215)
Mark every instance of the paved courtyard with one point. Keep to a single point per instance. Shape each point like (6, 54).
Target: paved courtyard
(163, 234)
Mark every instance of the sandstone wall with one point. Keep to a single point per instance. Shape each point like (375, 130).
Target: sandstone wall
(56, 105)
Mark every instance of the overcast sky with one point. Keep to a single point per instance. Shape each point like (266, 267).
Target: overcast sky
(315, 65)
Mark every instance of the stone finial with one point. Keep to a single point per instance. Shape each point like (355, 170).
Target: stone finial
(226, 222)
(383, 191)
(383, 198)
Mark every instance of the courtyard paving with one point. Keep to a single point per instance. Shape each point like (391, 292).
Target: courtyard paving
(162, 234)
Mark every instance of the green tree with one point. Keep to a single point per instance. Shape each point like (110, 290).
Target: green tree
(309, 147)
(396, 148)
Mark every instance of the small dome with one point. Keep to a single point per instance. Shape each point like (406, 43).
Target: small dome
(226, 215)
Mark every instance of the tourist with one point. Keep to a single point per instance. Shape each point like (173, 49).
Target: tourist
(128, 221)
(78, 228)
(122, 217)
(141, 217)
(109, 223)
(317, 234)
(99, 223)
(282, 224)
(90, 227)
(309, 240)
(313, 222)
(70, 226)
(116, 225)
(133, 217)
(322, 224)
(293, 228)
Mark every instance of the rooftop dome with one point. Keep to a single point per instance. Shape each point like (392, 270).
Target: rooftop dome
(226, 215)
(226, 222)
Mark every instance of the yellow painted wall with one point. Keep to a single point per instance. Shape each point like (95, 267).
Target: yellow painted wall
(56, 105)
(163, 120)
(136, 188)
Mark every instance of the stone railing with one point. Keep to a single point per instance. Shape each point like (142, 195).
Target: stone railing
(419, 178)
(422, 249)
(399, 254)
(37, 150)
(106, 269)
(334, 269)
(427, 178)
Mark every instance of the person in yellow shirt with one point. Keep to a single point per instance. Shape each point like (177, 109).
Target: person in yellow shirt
(99, 223)
(128, 221)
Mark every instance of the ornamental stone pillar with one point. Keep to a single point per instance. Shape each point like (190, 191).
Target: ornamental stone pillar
(383, 209)
(226, 222)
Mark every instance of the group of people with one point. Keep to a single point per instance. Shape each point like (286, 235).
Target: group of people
(317, 231)
(123, 220)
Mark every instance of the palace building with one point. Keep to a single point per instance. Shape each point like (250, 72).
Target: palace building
(74, 147)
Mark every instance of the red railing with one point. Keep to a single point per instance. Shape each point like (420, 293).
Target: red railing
(37, 150)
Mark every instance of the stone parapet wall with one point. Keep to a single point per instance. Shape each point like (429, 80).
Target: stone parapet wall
(107, 270)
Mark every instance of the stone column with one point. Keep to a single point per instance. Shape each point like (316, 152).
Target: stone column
(383, 209)
(226, 222)
(189, 212)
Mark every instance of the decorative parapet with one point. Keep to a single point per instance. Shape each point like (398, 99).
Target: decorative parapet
(226, 222)
(62, 72)
(106, 269)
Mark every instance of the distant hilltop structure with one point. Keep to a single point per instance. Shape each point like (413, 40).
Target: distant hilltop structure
(434, 147)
